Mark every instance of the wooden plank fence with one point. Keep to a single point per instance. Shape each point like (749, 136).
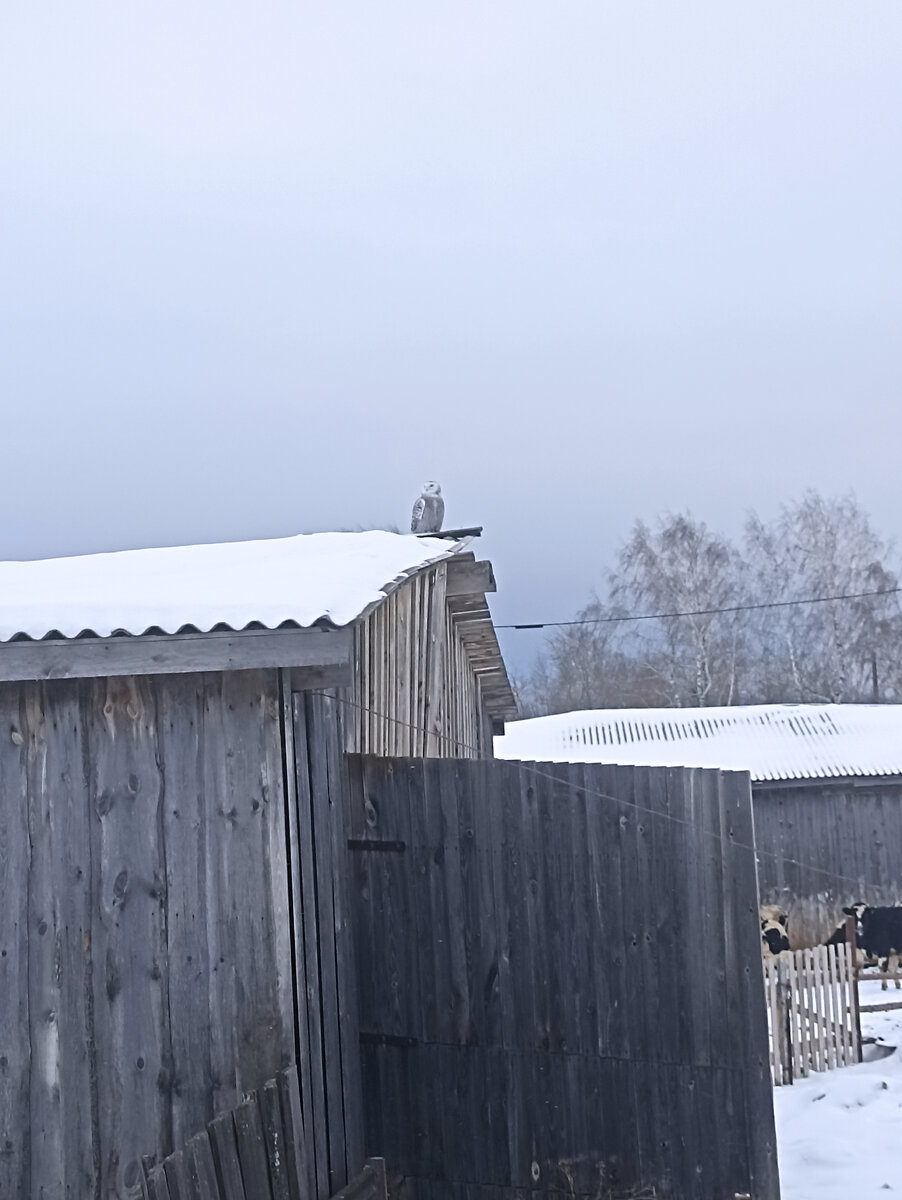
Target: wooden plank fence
(258, 1151)
(812, 1005)
(535, 1018)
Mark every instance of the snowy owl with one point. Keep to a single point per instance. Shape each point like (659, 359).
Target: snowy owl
(429, 510)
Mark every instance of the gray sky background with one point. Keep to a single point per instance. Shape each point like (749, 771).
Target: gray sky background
(264, 268)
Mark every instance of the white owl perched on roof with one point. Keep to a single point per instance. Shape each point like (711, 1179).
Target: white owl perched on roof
(429, 510)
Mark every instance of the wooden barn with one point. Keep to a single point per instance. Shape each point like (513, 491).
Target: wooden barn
(174, 924)
(826, 785)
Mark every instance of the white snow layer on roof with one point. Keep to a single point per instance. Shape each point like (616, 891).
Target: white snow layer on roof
(308, 578)
(772, 741)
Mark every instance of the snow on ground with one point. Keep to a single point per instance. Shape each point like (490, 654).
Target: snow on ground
(839, 1133)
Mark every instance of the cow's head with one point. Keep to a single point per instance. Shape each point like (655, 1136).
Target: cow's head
(772, 914)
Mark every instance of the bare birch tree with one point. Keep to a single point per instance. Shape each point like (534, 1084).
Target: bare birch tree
(844, 651)
(682, 567)
(831, 651)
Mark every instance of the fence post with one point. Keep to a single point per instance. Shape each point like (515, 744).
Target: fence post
(852, 943)
(782, 1016)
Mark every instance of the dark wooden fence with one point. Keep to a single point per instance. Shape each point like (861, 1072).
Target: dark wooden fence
(827, 844)
(560, 991)
(259, 1151)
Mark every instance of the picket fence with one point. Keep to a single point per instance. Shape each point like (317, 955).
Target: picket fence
(812, 1005)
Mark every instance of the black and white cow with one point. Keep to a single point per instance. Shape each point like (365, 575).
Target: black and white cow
(838, 938)
(773, 930)
(878, 932)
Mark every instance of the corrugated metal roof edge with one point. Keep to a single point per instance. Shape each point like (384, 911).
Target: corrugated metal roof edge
(788, 723)
(321, 622)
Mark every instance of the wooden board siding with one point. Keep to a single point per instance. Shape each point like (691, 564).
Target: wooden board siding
(560, 980)
(823, 845)
(425, 674)
(145, 956)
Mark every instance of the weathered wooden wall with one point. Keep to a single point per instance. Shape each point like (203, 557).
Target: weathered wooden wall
(149, 892)
(823, 845)
(423, 670)
(559, 991)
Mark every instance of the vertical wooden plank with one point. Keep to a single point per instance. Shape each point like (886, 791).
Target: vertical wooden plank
(64, 1105)
(224, 1145)
(846, 984)
(15, 889)
(298, 834)
(453, 872)
(320, 736)
(783, 1023)
(302, 1185)
(769, 982)
(222, 831)
(605, 831)
(422, 661)
(436, 736)
(839, 1008)
(251, 1145)
(45, 997)
(178, 1176)
(275, 1140)
(315, 1117)
(349, 1076)
(552, 791)
(128, 936)
(384, 704)
(651, 953)
(157, 1186)
(839, 970)
(202, 1167)
(402, 652)
(692, 812)
(391, 668)
(829, 1015)
(565, 925)
(800, 1062)
(251, 983)
(818, 993)
(184, 816)
(664, 911)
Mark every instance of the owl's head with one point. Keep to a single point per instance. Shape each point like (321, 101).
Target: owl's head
(431, 489)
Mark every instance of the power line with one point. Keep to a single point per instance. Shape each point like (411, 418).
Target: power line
(701, 612)
(641, 808)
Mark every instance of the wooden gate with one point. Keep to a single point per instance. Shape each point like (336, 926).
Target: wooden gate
(812, 1006)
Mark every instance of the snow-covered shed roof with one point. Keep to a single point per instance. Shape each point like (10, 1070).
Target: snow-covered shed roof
(772, 741)
(310, 579)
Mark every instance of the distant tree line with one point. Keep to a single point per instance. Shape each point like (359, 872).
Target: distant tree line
(842, 651)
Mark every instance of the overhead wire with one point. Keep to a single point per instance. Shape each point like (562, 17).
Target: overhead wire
(701, 612)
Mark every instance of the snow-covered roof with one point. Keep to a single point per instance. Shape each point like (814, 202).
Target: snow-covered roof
(331, 578)
(772, 741)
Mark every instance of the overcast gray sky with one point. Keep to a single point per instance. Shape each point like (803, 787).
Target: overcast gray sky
(264, 268)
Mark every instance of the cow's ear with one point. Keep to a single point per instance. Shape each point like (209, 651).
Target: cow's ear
(850, 912)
